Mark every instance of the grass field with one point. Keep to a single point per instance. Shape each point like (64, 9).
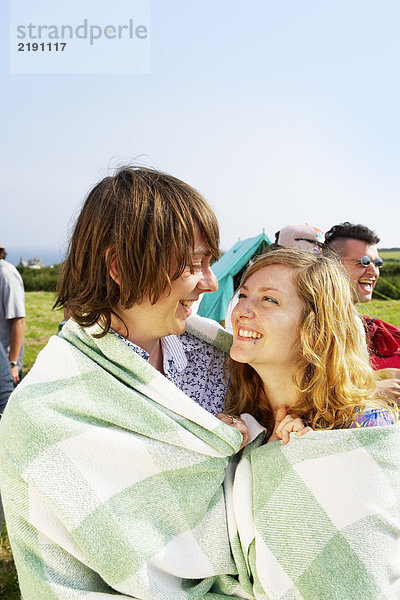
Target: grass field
(392, 254)
(387, 310)
(9, 589)
(41, 323)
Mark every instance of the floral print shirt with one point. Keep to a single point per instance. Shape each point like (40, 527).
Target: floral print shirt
(194, 366)
(373, 418)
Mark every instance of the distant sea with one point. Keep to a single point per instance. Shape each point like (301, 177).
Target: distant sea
(49, 256)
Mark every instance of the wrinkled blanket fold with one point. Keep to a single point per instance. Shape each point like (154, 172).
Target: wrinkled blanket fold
(154, 502)
(320, 517)
(112, 477)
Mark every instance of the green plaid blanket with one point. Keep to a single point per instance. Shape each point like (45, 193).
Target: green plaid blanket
(112, 481)
(112, 477)
(319, 518)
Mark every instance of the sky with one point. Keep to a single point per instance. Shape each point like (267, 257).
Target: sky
(278, 112)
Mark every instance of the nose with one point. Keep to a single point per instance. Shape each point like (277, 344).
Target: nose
(244, 308)
(372, 269)
(208, 282)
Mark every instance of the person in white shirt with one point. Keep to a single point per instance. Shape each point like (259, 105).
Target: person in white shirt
(12, 315)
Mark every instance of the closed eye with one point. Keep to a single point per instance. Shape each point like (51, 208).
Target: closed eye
(198, 265)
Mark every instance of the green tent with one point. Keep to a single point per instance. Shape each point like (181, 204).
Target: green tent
(228, 271)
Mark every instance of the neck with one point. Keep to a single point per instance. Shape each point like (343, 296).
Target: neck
(138, 335)
(279, 388)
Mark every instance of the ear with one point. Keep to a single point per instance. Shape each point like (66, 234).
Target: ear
(111, 262)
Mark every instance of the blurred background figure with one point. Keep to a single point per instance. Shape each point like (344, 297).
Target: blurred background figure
(355, 245)
(6, 380)
(302, 236)
(299, 235)
(6, 387)
(12, 315)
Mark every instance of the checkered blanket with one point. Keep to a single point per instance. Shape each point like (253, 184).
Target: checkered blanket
(112, 477)
(112, 481)
(319, 518)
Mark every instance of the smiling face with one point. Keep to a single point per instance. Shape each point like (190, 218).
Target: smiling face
(363, 278)
(175, 305)
(149, 322)
(266, 321)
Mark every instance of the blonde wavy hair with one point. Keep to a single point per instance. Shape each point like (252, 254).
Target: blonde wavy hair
(332, 373)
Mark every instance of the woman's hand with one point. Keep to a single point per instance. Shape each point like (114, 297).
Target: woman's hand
(285, 424)
(237, 423)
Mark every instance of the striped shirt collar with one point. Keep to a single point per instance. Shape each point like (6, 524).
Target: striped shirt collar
(174, 348)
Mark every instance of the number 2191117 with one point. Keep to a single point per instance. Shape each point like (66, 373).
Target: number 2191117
(41, 46)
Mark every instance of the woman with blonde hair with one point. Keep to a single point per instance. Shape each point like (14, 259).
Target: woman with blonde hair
(317, 516)
(298, 346)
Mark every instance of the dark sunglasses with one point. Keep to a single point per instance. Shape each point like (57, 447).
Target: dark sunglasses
(365, 261)
(315, 242)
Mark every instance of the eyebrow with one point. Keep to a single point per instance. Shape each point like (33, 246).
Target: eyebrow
(262, 289)
(358, 259)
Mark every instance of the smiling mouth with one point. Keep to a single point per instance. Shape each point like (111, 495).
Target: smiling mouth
(249, 334)
(187, 303)
(187, 307)
(367, 284)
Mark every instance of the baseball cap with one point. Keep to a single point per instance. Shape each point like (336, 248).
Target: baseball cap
(302, 236)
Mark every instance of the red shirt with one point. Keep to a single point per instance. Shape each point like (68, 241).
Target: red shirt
(383, 341)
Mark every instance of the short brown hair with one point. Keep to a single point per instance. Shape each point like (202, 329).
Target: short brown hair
(144, 220)
(336, 238)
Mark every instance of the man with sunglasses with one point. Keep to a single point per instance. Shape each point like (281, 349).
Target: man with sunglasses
(355, 244)
(356, 247)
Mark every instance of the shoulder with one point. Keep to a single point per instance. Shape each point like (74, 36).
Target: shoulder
(374, 325)
(196, 346)
(209, 332)
(9, 272)
(374, 417)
